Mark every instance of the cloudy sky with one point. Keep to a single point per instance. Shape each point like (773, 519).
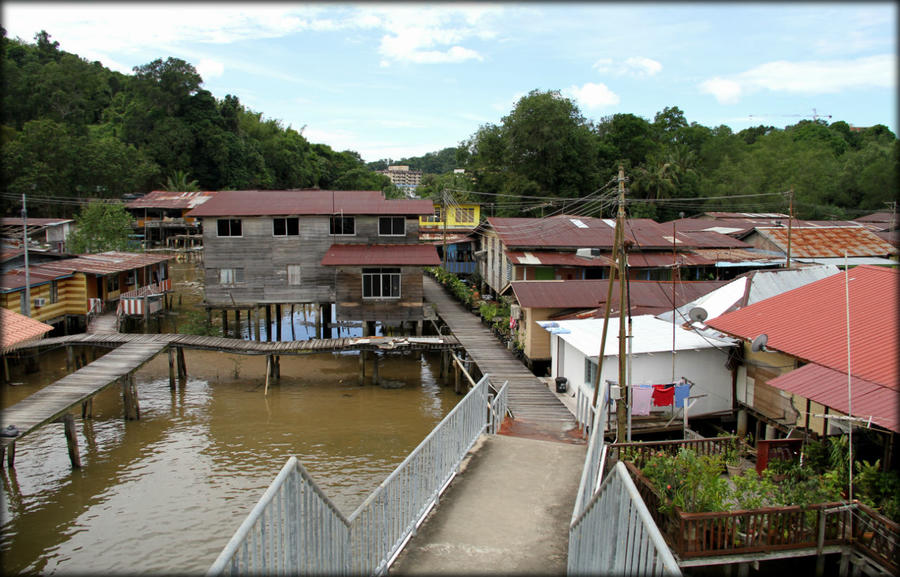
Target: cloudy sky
(402, 79)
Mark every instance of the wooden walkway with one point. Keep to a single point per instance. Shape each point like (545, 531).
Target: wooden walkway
(536, 410)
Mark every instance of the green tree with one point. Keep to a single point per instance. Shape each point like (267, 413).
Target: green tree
(178, 182)
(100, 227)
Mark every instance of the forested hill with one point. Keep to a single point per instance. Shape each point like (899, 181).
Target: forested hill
(72, 129)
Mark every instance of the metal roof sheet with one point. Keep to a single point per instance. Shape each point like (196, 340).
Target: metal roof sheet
(167, 199)
(554, 258)
(578, 232)
(646, 294)
(307, 201)
(381, 255)
(14, 279)
(710, 239)
(828, 241)
(829, 387)
(738, 256)
(107, 262)
(16, 329)
(810, 323)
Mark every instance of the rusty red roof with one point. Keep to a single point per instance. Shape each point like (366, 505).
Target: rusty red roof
(13, 280)
(554, 258)
(107, 262)
(16, 329)
(381, 255)
(738, 255)
(825, 242)
(739, 227)
(810, 323)
(174, 200)
(308, 201)
(710, 239)
(17, 221)
(829, 387)
(564, 231)
(651, 297)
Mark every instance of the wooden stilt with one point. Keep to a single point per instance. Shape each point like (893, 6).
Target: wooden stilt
(256, 322)
(268, 323)
(6, 378)
(456, 383)
(277, 367)
(72, 440)
(129, 398)
(268, 372)
(11, 456)
(87, 408)
(278, 323)
(224, 323)
(319, 332)
(293, 337)
(419, 327)
(171, 368)
(70, 358)
(374, 368)
(182, 365)
(362, 367)
(237, 323)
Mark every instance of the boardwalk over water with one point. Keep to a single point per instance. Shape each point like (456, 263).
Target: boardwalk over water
(536, 410)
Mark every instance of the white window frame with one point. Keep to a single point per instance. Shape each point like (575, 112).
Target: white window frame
(54, 292)
(230, 276)
(393, 220)
(335, 217)
(393, 277)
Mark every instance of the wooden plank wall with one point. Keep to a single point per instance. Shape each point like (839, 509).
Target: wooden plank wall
(351, 306)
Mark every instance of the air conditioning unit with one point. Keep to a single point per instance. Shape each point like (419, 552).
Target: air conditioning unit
(39, 302)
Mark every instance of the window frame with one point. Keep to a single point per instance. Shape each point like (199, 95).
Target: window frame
(437, 216)
(112, 283)
(590, 369)
(393, 221)
(231, 225)
(288, 223)
(343, 220)
(297, 275)
(237, 276)
(54, 292)
(387, 277)
(462, 211)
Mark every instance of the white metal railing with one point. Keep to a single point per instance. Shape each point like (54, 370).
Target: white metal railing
(615, 534)
(591, 473)
(311, 536)
(498, 407)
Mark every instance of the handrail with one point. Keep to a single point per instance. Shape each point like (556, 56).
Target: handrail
(295, 528)
(591, 473)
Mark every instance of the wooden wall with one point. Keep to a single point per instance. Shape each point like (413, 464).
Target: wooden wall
(71, 295)
(351, 306)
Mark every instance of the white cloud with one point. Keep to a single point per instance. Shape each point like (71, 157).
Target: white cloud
(593, 96)
(639, 66)
(811, 77)
(210, 68)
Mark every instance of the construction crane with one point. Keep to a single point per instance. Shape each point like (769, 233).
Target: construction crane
(815, 115)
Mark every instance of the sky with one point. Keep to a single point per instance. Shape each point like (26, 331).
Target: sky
(397, 80)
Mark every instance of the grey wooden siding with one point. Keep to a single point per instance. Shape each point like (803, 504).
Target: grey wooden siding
(351, 306)
(264, 259)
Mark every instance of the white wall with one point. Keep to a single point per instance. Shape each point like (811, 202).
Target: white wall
(704, 367)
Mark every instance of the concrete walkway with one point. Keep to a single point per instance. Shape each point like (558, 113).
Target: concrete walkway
(506, 512)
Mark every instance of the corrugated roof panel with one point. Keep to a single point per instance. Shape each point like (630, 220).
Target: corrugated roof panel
(591, 293)
(381, 255)
(828, 241)
(171, 200)
(810, 323)
(300, 202)
(107, 262)
(559, 231)
(16, 328)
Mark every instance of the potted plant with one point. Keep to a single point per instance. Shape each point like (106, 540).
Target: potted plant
(733, 462)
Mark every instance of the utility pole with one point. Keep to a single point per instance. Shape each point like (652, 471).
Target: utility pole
(444, 219)
(790, 223)
(622, 403)
(26, 310)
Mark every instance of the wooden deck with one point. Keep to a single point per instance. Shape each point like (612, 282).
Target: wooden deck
(536, 410)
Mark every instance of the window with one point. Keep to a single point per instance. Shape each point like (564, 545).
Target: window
(293, 274)
(343, 225)
(112, 283)
(228, 227)
(391, 226)
(231, 276)
(590, 371)
(54, 292)
(436, 217)
(381, 283)
(286, 226)
(465, 215)
(23, 302)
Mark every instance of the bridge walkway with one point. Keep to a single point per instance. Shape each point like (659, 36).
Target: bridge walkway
(537, 411)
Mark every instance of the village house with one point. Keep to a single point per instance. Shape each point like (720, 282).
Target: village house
(44, 234)
(160, 218)
(798, 350)
(451, 231)
(825, 244)
(558, 300)
(267, 248)
(884, 225)
(16, 329)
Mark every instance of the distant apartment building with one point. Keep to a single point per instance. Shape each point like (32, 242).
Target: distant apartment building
(403, 178)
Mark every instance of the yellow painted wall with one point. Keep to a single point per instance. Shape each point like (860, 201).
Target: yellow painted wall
(472, 211)
(71, 299)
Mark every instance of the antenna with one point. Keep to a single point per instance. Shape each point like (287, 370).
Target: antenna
(759, 343)
(697, 314)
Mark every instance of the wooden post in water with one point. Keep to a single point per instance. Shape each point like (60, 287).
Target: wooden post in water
(87, 408)
(374, 368)
(129, 398)
(278, 323)
(293, 337)
(182, 366)
(225, 323)
(11, 456)
(268, 323)
(70, 358)
(72, 440)
(362, 367)
(268, 372)
(237, 323)
(256, 322)
(171, 368)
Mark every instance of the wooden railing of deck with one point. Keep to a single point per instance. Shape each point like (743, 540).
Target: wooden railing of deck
(637, 453)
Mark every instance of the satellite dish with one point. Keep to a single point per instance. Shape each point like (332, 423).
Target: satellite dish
(759, 343)
(697, 314)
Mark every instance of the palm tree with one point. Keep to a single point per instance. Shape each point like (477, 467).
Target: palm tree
(178, 182)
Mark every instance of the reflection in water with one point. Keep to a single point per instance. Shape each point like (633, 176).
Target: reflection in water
(165, 493)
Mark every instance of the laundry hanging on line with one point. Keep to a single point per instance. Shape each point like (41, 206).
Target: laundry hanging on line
(641, 395)
(663, 395)
(682, 391)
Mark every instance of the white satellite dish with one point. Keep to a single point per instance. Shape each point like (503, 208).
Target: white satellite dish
(697, 314)
(759, 343)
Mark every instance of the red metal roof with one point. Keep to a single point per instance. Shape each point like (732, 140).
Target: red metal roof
(16, 329)
(554, 258)
(649, 296)
(381, 255)
(829, 387)
(828, 242)
(107, 262)
(14, 279)
(739, 227)
(736, 255)
(174, 200)
(810, 323)
(710, 239)
(297, 202)
(579, 232)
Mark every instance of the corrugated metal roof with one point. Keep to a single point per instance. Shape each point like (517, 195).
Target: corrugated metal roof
(829, 387)
(881, 217)
(107, 262)
(174, 200)
(810, 323)
(710, 239)
(13, 280)
(721, 256)
(381, 255)
(554, 258)
(646, 294)
(17, 221)
(578, 232)
(298, 202)
(828, 241)
(649, 335)
(739, 227)
(16, 328)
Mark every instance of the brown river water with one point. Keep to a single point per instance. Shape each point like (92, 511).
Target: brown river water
(163, 494)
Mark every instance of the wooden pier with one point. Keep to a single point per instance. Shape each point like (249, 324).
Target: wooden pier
(55, 402)
(534, 407)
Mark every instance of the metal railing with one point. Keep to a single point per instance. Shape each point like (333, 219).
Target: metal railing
(308, 534)
(615, 534)
(498, 407)
(592, 471)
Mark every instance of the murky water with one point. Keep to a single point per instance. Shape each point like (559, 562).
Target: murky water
(165, 493)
